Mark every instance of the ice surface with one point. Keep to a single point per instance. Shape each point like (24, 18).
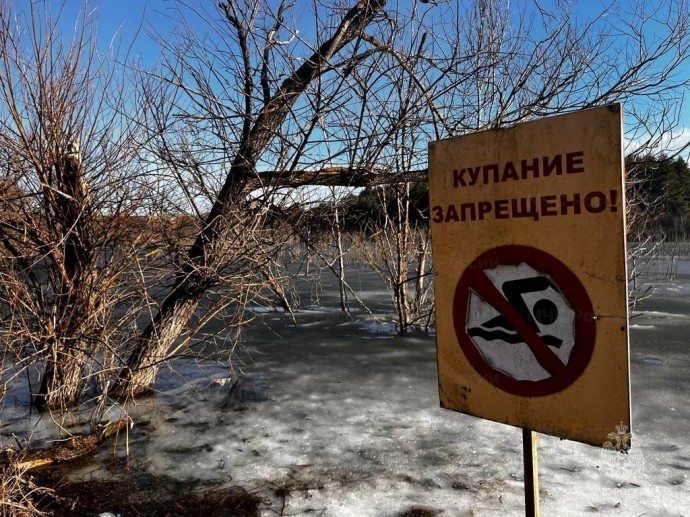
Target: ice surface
(321, 420)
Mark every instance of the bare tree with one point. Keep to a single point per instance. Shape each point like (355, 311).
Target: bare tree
(71, 188)
(242, 127)
(398, 249)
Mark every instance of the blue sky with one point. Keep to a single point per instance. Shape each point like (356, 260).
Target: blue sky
(130, 18)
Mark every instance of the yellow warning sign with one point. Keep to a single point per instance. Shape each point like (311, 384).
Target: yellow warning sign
(528, 232)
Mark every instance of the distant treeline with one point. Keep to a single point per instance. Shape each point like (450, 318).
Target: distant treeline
(658, 198)
(368, 210)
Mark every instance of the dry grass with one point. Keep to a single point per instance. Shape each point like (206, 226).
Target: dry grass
(137, 495)
(146, 495)
(20, 494)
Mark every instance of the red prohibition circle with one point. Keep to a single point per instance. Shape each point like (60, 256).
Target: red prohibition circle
(474, 279)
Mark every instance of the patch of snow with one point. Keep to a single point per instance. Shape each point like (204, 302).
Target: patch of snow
(659, 314)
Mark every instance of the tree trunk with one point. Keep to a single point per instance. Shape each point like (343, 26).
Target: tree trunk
(341, 262)
(402, 303)
(63, 379)
(62, 382)
(153, 345)
(421, 268)
(402, 238)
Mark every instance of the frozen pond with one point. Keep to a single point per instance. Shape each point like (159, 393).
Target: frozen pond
(334, 417)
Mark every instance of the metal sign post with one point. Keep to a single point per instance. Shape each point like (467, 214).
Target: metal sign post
(529, 453)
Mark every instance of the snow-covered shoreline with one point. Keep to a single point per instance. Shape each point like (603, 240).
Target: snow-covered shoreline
(340, 418)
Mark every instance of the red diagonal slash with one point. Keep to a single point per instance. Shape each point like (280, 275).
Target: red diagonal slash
(486, 290)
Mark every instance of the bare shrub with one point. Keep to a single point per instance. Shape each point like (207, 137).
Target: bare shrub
(72, 191)
(20, 496)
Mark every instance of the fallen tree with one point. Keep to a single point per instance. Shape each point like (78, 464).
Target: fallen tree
(63, 451)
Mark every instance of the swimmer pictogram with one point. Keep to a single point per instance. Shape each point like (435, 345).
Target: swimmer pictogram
(524, 321)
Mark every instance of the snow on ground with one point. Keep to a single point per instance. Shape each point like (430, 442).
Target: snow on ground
(335, 417)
